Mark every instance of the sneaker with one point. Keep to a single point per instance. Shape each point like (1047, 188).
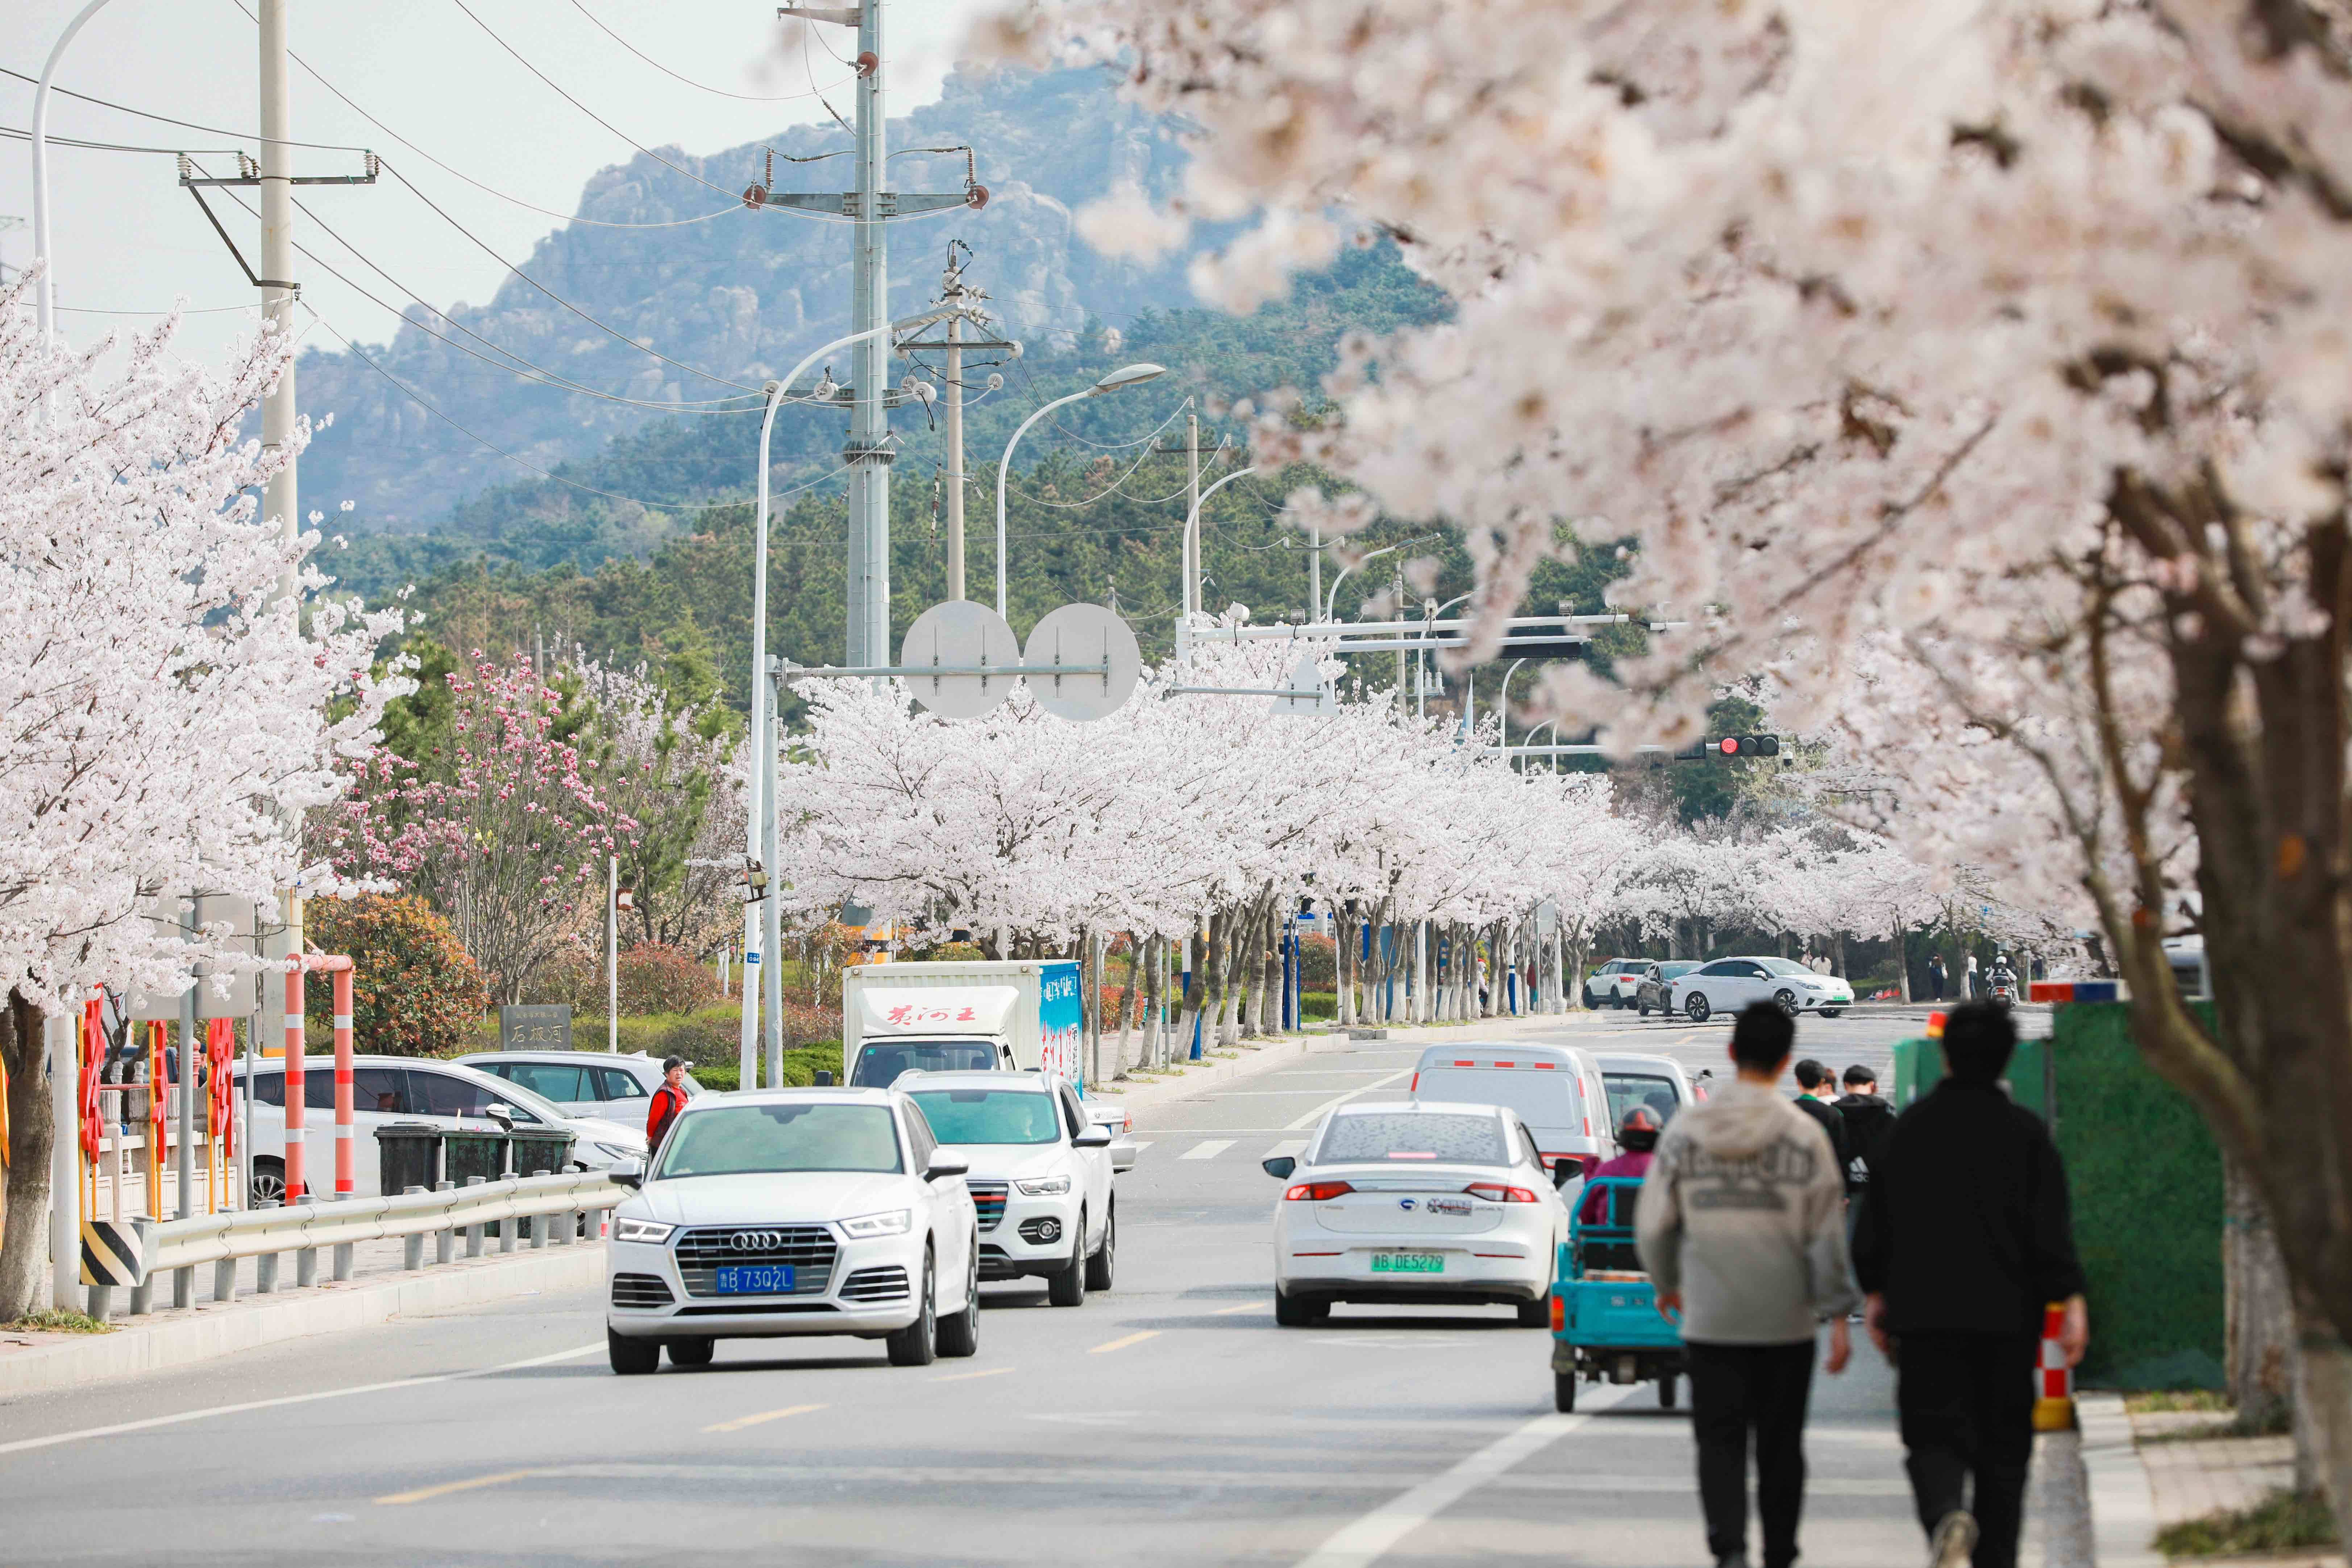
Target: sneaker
(1955, 1538)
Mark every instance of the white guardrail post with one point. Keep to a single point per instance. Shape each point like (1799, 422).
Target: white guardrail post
(266, 1232)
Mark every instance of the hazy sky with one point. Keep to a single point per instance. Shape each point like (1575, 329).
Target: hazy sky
(126, 238)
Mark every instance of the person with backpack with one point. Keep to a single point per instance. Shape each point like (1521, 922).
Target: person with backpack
(1814, 1086)
(1741, 1225)
(1868, 1121)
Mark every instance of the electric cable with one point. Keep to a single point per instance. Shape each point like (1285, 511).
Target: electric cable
(1099, 445)
(13, 134)
(165, 118)
(699, 87)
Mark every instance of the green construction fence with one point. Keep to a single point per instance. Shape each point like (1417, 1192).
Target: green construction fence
(2145, 1177)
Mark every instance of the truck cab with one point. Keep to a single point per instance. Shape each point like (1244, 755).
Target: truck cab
(901, 1029)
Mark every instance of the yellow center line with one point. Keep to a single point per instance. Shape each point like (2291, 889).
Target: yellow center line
(742, 1421)
(1244, 1307)
(1136, 1339)
(968, 1376)
(445, 1488)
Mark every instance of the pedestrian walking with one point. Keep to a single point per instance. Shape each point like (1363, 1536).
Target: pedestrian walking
(1814, 1086)
(1741, 1225)
(1935, 975)
(1965, 1237)
(1868, 1121)
(668, 1100)
(1973, 994)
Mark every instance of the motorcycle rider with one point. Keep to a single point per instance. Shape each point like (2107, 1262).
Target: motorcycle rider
(2000, 980)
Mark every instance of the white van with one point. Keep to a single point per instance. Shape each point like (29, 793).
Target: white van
(1557, 1091)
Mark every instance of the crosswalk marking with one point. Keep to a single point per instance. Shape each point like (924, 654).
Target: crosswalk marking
(1208, 1151)
(1294, 1147)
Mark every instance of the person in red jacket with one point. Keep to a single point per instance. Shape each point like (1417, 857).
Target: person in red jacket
(668, 1100)
(1637, 1138)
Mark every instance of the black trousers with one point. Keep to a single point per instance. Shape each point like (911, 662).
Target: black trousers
(1967, 1404)
(1739, 1389)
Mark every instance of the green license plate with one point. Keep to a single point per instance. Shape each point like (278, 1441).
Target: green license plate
(1408, 1263)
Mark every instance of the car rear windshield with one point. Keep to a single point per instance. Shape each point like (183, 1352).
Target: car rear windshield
(1627, 1091)
(990, 1115)
(751, 1139)
(878, 1066)
(1540, 1097)
(1453, 1138)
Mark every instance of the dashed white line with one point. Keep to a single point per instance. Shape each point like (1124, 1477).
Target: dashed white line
(1315, 1115)
(1208, 1151)
(1292, 1146)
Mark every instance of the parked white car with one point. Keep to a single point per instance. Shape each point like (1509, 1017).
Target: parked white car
(1615, 983)
(795, 1211)
(1728, 985)
(447, 1095)
(1415, 1202)
(618, 1088)
(1040, 1176)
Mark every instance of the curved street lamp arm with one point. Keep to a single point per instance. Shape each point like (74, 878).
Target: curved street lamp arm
(45, 298)
(1004, 466)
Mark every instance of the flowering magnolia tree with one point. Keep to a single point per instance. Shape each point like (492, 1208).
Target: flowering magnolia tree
(504, 828)
(164, 713)
(1977, 369)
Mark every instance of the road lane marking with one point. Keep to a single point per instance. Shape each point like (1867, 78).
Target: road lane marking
(1368, 1539)
(1291, 1146)
(1135, 1338)
(968, 1376)
(765, 1416)
(1208, 1151)
(24, 1444)
(1315, 1115)
(1244, 1307)
(445, 1488)
(1139, 1144)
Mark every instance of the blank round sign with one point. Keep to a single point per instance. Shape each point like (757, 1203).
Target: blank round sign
(1082, 663)
(964, 636)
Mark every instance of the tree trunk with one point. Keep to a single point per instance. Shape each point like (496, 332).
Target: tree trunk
(1127, 1009)
(1343, 927)
(2323, 1411)
(2259, 1332)
(1271, 969)
(1903, 961)
(25, 1182)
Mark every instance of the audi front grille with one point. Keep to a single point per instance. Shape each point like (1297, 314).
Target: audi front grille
(876, 1285)
(807, 1249)
(988, 1197)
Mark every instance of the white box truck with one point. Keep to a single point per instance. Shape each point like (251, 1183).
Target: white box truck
(984, 1015)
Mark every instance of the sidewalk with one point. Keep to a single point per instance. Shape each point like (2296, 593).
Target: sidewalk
(2147, 1471)
(378, 1288)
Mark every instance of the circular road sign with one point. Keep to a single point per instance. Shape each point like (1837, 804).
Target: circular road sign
(965, 638)
(1099, 653)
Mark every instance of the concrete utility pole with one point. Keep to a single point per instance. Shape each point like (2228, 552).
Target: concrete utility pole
(869, 454)
(955, 451)
(283, 498)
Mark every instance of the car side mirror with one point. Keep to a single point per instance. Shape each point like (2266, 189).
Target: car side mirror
(945, 1167)
(627, 1173)
(502, 1113)
(1280, 1167)
(1565, 1170)
(823, 1078)
(1095, 1136)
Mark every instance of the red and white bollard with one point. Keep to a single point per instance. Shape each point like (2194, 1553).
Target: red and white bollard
(343, 1155)
(2053, 1400)
(295, 1089)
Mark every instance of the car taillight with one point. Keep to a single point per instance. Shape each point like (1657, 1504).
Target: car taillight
(1497, 1192)
(1559, 1312)
(1316, 1191)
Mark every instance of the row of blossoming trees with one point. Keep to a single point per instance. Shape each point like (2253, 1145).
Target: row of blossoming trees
(1205, 820)
(1978, 367)
(163, 714)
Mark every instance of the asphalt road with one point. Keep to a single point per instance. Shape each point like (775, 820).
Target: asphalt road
(1166, 1422)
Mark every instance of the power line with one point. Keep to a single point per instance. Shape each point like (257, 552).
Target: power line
(167, 120)
(699, 87)
(731, 207)
(13, 134)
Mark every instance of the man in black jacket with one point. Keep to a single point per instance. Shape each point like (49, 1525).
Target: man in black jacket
(1814, 1085)
(1869, 1120)
(1965, 1237)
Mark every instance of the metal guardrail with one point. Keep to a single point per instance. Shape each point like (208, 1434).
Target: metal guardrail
(250, 1232)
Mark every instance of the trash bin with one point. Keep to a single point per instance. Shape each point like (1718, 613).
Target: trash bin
(408, 1154)
(466, 1153)
(540, 1149)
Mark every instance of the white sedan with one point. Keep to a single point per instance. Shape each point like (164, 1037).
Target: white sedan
(1731, 983)
(1416, 1201)
(795, 1211)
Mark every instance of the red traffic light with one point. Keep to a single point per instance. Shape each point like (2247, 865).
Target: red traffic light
(1728, 745)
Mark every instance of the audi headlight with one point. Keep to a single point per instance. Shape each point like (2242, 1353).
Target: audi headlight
(641, 1230)
(618, 1152)
(896, 1223)
(1044, 1187)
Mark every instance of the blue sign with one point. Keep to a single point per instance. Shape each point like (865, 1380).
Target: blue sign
(1062, 1022)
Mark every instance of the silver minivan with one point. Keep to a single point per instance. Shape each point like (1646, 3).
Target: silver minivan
(1557, 1091)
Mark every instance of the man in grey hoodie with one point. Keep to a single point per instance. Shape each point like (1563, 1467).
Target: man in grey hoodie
(1741, 1225)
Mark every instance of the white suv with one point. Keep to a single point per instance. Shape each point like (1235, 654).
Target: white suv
(584, 1083)
(1615, 982)
(1041, 1176)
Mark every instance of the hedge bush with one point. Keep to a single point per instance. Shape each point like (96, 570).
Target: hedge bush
(415, 991)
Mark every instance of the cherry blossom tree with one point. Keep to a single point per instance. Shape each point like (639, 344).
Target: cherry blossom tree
(167, 715)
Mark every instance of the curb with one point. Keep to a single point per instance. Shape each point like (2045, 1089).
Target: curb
(2123, 1504)
(207, 1332)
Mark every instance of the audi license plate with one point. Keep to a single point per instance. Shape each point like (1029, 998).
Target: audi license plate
(1408, 1263)
(755, 1280)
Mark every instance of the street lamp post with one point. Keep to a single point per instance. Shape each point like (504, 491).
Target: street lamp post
(1130, 375)
(1503, 704)
(45, 296)
(1191, 550)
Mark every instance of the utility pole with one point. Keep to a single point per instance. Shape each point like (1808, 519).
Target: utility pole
(955, 447)
(1192, 550)
(283, 495)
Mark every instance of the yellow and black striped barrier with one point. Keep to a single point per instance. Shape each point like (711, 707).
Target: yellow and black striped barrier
(110, 1253)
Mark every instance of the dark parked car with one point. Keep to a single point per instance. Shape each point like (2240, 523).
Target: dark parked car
(1655, 993)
